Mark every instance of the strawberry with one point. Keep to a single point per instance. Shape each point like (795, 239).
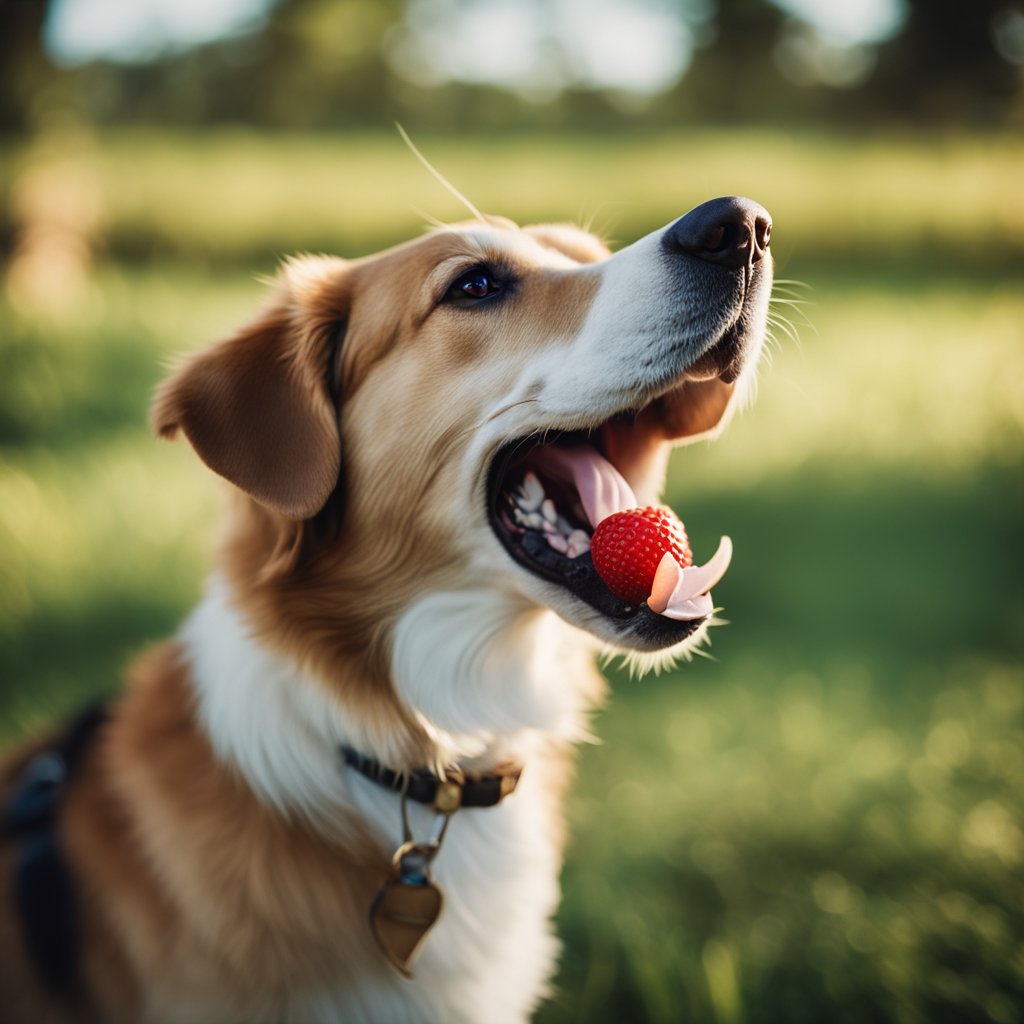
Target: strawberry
(628, 546)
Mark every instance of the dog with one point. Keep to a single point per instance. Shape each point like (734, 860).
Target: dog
(336, 794)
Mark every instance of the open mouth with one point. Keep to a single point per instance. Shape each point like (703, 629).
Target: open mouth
(546, 496)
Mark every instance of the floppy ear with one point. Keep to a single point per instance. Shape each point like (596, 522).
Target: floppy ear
(257, 407)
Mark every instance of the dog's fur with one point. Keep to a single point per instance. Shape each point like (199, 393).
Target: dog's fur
(224, 857)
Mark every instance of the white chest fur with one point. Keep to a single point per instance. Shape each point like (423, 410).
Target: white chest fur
(484, 674)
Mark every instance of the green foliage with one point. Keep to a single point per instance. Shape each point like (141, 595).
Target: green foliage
(330, 64)
(823, 822)
(837, 842)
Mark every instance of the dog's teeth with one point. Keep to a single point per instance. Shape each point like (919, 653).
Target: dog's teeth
(531, 493)
(558, 542)
(579, 543)
(580, 540)
(534, 520)
(549, 527)
(549, 511)
(565, 528)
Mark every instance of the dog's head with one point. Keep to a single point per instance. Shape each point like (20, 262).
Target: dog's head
(383, 414)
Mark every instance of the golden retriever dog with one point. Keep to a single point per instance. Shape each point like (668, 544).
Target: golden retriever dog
(336, 794)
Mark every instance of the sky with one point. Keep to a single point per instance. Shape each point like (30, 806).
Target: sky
(848, 22)
(135, 30)
(637, 46)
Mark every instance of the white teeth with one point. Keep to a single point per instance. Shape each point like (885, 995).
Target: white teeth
(580, 540)
(533, 511)
(559, 543)
(533, 520)
(531, 493)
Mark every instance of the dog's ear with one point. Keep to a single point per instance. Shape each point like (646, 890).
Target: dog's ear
(258, 407)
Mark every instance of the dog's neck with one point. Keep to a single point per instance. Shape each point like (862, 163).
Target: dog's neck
(485, 677)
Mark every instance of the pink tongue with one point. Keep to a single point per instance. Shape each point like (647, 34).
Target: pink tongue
(601, 487)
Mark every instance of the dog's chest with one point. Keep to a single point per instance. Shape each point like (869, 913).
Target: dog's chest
(490, 953)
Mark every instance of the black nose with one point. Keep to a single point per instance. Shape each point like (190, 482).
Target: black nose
(731, 231)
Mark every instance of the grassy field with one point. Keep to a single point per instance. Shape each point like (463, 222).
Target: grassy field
(823, 822)
(234, 195)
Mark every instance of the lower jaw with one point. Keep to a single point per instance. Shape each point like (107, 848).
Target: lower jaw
(634, 627)
(650, 633)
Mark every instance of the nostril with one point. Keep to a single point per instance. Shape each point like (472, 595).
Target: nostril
(731, 231)
(714, 239)
(762, 236)
(721, 238)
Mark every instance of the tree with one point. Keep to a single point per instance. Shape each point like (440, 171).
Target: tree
(944, 66)
(24, 67)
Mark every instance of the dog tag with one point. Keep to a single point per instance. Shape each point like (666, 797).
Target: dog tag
(406, 907)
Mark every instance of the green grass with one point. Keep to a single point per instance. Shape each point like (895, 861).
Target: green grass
(236, 194)
(822, 823)
(836, 841)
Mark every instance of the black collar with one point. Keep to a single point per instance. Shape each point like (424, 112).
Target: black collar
(447, 794)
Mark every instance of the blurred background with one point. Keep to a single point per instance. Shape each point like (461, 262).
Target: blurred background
(823, 823)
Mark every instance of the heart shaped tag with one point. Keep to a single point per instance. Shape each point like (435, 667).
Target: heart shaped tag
(401, 916)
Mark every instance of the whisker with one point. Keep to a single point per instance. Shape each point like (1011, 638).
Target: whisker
(505, 408)
(791, 293)
(445, 183)
(788, 317)
(430, 219)
(797, 316)
(787, 328)
(785, 323)
(795, 308)
(802, 320)
(587, 224)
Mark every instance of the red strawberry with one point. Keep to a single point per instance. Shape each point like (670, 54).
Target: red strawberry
(628, 546)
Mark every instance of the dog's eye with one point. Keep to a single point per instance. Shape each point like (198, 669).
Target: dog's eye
(472, 286)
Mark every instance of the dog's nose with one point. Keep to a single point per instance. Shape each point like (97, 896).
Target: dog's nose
(731, 231)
